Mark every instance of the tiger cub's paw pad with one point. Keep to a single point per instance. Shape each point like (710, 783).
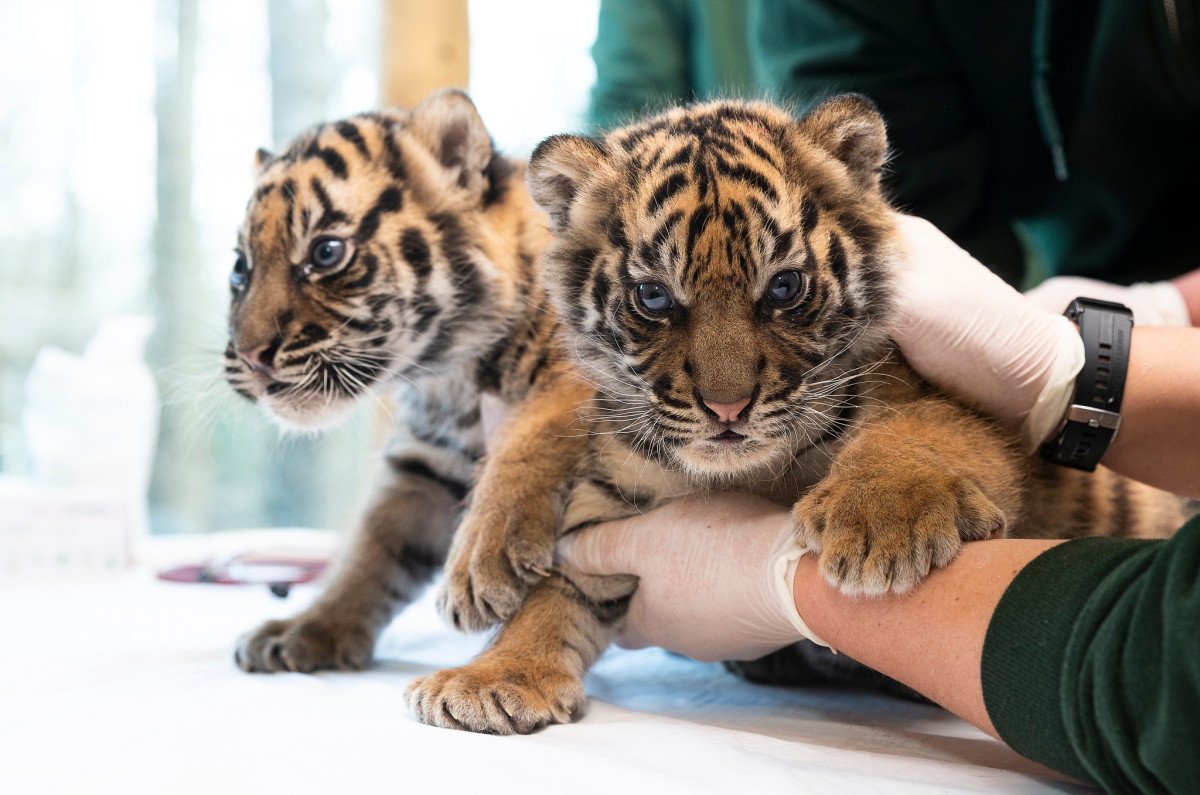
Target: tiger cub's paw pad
(885, 533)
(495, 700)
(304, 645)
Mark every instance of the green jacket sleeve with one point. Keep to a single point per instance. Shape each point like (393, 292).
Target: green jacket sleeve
(1091, 663)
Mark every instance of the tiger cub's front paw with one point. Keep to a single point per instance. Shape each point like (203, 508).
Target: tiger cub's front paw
(497, 696)
(496, 557)
(305, 644)
(880, 531)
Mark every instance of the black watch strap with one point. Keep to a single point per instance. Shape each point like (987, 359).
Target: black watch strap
(1095, 412)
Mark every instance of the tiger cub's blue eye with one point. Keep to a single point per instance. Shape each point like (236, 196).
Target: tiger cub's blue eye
(326, 252)
(240, 272)
(785, 288)
(655, 298)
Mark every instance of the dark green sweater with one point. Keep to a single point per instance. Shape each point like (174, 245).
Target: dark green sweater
(1092, 662)
(982, 97)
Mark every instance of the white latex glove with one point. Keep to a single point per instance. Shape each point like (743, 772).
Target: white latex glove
(973, 336)
(1153, 303)
(716, 576)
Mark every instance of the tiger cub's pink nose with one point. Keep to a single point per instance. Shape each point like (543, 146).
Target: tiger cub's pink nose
(259, 359)
(727, 412)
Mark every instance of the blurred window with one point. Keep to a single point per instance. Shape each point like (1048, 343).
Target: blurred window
(127, 133)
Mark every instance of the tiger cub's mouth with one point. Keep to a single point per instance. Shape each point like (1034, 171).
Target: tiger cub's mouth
(726, 453)
(312, 393)
(306, 411)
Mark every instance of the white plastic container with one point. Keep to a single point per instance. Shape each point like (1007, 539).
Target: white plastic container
(91, 421)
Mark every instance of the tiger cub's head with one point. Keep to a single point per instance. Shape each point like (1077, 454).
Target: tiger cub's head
(723, 268)
(359, 260)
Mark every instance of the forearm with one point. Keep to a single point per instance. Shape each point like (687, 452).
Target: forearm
(1078, 654)
(1160, 412)
(930, 639)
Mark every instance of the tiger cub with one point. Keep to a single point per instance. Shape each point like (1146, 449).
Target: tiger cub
(722, 272)
(393, 250)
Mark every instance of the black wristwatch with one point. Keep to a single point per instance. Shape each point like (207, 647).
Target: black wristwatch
(1094, 415)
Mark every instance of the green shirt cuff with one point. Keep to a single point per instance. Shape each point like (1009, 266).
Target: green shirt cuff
(1028, 641)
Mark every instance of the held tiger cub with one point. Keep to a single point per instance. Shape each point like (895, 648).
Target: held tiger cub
(722, 272)
(393, 250)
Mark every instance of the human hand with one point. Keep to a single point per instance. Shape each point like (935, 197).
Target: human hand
(971, 335)
(1153, 303)
(716, 576)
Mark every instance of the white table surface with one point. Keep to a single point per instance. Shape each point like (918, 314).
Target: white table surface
(125, 684)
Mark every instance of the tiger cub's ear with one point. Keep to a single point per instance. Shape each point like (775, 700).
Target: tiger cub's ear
(450, 127)
(262, 161)
(559, 167)
(849, 128)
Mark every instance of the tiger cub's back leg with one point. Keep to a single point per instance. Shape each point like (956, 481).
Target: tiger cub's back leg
(397, 548)
(1071, 503)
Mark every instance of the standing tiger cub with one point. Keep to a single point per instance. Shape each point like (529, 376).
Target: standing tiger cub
(722, 273)
(394, 250)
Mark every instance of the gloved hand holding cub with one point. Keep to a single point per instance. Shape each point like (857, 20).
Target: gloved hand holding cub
(715, 571)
